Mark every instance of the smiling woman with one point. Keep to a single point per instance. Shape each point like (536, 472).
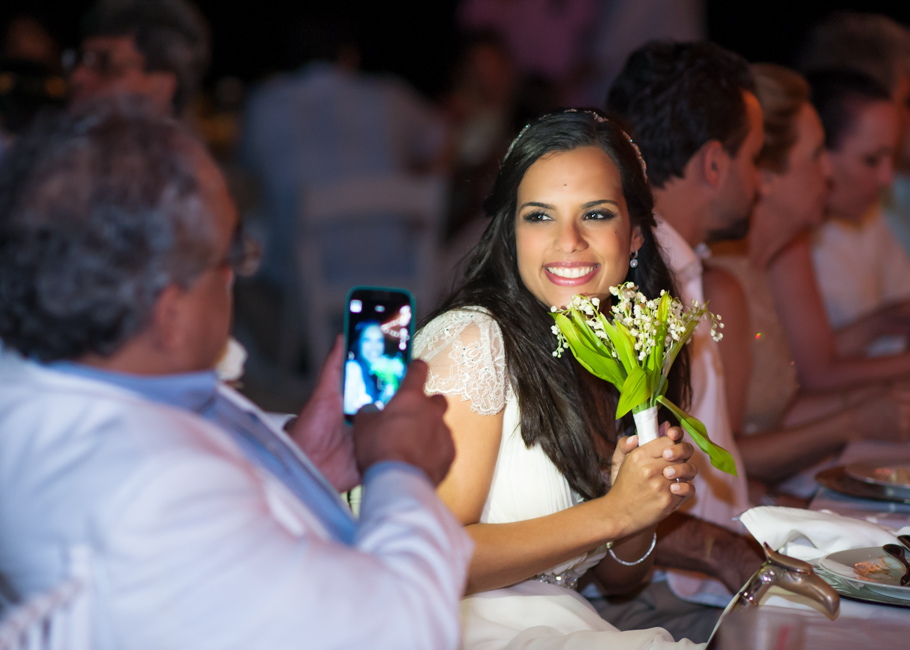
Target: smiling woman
(541, 479)
(572, 231)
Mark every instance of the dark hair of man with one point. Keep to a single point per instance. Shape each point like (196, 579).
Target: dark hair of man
(171, 34)
(676, 97)
(562, 406)
(782, 94)
(838, 96)
(100, 210)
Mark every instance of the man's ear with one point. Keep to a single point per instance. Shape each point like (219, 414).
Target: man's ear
(715, 163)
(166, 324)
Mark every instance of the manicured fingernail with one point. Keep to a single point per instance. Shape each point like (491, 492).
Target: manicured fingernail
(676, 487)
(670, 472)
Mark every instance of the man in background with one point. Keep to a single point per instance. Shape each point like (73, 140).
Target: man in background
(155, 48)
(694, 115)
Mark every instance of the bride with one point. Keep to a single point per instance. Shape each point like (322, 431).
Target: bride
(541, 480)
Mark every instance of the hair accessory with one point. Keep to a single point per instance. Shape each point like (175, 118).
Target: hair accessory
(515, 141)
(633, 259)
(639, 560)
(597, 118)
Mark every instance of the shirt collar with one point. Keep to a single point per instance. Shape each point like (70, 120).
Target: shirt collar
(193, 391)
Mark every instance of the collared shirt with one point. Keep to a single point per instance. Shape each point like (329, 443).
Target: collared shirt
(718, 496)
(197, 392)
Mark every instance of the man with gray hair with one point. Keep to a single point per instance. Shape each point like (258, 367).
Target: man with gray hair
(205, 525)
(155, 48)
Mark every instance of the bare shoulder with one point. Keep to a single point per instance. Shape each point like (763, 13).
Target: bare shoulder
(722, 288)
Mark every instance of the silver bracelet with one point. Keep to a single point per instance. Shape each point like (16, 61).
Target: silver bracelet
(639, 560)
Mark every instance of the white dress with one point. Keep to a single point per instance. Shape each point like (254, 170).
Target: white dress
(465, 353)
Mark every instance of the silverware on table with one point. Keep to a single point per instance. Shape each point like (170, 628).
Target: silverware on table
(900, 553)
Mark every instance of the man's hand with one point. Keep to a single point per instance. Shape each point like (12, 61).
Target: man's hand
(320, 430)
(686, 542)
(410, 429)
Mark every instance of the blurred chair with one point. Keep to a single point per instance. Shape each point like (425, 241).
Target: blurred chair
(377, 231)
(58, 619)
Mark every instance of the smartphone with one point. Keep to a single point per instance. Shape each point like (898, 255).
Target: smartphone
(378, 327)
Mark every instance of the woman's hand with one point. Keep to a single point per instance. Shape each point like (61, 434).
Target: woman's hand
(645, 488)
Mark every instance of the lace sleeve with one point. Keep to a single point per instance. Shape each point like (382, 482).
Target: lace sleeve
(464, 350)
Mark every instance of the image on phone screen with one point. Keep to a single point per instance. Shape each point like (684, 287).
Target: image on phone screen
(378, 336)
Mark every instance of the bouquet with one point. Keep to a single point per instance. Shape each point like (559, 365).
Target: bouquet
(633, 349)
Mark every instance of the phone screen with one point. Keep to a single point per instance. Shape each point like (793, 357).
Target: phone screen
(378, 324)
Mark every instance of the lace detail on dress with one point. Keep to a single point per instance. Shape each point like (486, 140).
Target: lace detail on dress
(474, 366)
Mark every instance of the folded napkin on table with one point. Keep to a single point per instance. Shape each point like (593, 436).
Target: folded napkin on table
(809, 535)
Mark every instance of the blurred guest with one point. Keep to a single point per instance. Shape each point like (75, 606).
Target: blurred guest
(621, 26)
(205, 525)
(545, 38)
(321, 125)
(859, 121)
(695, 117)
(30, 78)
(480, 106)
(155, 48)
(875, 45)
(859, 264)
(879, 47)
(27, 38)
(780, 427)
(329, 121)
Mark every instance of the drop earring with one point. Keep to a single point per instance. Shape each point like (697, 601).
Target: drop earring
(633, 259)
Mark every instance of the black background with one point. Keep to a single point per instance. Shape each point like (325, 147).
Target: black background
(418, 40)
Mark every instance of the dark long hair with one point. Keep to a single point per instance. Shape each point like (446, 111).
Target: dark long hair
(563, 408)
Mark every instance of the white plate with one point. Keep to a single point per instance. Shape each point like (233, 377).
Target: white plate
(887, 581)
(879, 472)
(856, 592)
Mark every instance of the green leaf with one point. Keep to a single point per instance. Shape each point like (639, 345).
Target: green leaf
(624, 344)
(599, 363)
(655, 365)
(720, 457)
(633, 392)
(586, 333)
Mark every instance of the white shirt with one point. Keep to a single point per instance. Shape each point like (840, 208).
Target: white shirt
(194, 546)
(718, 495)
(860, 267)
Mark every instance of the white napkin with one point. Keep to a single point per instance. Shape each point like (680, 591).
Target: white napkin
(809, 535)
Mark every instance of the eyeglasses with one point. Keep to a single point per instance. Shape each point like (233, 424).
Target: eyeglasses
(243, 256)
(101, 62)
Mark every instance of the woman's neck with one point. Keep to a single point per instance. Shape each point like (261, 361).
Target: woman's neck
(763, 244)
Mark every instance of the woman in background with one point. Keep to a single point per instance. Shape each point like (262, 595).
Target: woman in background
(860, 124)
(782, 428)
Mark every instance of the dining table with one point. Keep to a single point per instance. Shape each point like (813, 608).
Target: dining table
(785, 621)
